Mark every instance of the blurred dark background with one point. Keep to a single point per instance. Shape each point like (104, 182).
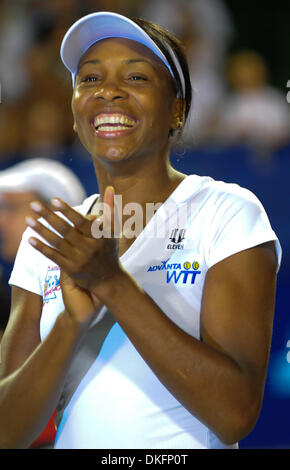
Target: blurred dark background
(239, 128)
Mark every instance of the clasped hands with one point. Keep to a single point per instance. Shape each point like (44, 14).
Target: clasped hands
(86, 262)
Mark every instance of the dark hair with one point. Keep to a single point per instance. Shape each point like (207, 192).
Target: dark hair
(164, 39)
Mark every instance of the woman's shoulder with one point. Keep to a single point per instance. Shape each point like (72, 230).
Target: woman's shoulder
(219, 192)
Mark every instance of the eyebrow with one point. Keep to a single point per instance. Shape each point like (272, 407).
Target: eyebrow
(134, 61)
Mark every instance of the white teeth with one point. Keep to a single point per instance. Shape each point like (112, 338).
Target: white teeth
(112, 129)
(114, 119)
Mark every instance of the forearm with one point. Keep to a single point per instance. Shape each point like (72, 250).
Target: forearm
(29, 395)
(208, 383)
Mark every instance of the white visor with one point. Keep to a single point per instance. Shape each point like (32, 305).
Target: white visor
(101, 25)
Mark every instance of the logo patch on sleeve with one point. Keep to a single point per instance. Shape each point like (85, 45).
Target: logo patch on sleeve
(51, 285)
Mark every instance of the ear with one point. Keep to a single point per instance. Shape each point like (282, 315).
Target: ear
(178, 114)
(75, 127)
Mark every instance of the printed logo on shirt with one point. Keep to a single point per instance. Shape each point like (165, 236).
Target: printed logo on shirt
(178, 273)
(51, 284)
(177, 236)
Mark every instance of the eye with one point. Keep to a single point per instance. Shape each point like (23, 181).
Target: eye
(90, 79)
(137, 77)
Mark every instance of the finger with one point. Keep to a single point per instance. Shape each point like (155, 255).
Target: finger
(81, 222)
(64, 227)
(51, 237)
(108, 216)
(102, 226)
(109, 196)
(50, 253)
(112, 214)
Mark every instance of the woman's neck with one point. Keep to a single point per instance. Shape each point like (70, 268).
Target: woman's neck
(147, 183)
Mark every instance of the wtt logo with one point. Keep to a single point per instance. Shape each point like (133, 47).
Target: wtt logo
(176, 276)
(177, 236)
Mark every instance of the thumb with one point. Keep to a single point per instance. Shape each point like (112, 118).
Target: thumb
(108, 216)
(91, 217)
(109, 200)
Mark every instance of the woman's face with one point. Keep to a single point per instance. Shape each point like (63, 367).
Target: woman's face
(123, 102)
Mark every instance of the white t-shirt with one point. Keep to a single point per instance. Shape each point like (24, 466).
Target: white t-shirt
(111, 398)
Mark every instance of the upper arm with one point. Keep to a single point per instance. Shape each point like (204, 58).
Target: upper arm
(22, 334)
(238, 307)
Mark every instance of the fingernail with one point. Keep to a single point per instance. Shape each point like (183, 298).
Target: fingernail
(36, 206)
(30, 221)
(32, 241)
(56, 203)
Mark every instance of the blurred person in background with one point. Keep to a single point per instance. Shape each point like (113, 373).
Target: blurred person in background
(19, 185)
(22, 183)
(45, 130)
(30, 36)
(16, 37)
(124, 7)
(206, 29)
(255, 113)
(11, 134)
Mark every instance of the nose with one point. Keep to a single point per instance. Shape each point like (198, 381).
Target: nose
(110, 91)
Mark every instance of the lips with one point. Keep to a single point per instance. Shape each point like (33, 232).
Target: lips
(109, 125)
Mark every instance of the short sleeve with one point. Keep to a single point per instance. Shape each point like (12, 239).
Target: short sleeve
(240, 222)
(25, 272)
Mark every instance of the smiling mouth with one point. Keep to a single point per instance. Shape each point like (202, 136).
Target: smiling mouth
(113, 125)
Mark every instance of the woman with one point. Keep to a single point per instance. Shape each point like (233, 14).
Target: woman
(155, 334)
